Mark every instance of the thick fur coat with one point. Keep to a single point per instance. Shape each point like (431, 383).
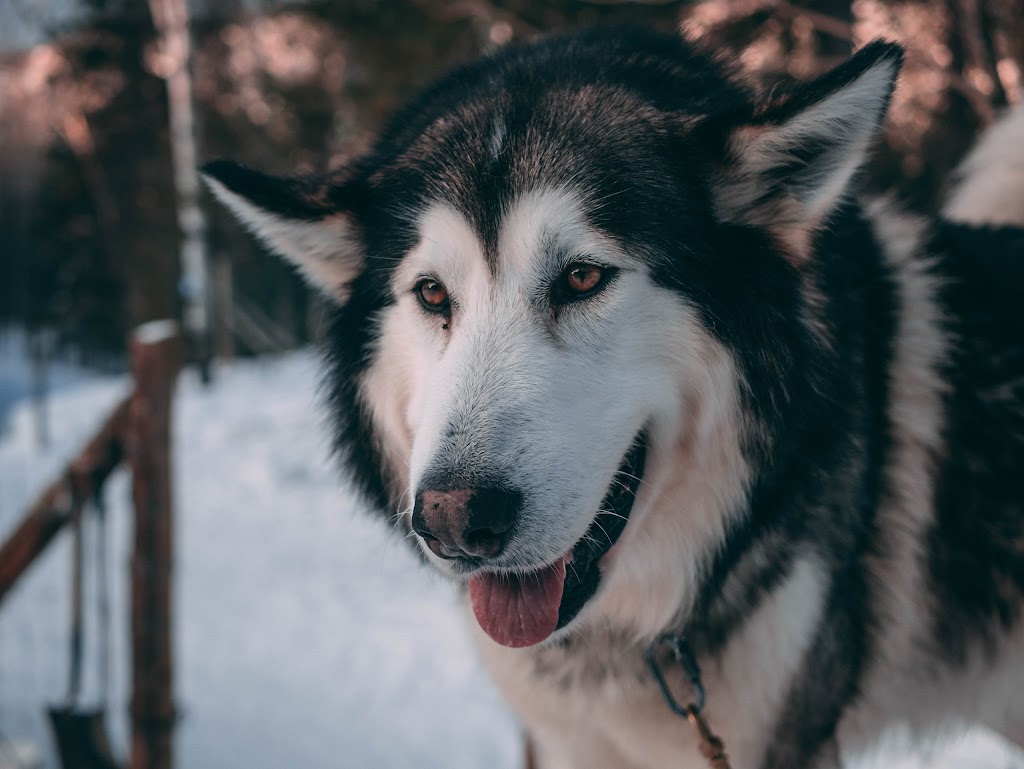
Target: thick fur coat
(619, 344)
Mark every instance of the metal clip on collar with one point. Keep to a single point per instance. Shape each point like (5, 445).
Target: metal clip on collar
(711, 746)
(684, 658)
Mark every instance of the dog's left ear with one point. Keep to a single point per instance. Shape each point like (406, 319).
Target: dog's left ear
(786, 166)
(310, 221)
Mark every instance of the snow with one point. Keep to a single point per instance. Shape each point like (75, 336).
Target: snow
(34, 616)
(307, 635)
(16, 382)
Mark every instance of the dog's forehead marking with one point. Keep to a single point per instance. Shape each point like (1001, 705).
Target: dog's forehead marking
(448, 247)
(544, 227)
(540, 231)
(496, 144)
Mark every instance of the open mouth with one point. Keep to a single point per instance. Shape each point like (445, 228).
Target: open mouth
(523, 610)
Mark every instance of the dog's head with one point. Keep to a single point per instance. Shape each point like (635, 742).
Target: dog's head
(563, 280)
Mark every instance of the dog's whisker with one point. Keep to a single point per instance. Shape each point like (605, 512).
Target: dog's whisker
(396, 519)
(626, 488)
(630, 476)
(602, 528)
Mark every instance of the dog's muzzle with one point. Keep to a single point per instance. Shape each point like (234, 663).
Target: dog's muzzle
(473, 526)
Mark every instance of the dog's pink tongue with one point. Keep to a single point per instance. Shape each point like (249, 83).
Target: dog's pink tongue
(519, 611)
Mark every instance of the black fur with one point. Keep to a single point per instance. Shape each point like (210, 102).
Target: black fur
(977, 545)
(642, 123)
(823, 401)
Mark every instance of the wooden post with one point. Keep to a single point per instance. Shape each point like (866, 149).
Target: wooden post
(156, 353)
(55, 506)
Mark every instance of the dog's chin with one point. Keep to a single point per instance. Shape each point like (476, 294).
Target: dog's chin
(527, 608)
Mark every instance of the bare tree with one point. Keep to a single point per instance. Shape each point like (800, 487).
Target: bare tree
(172, 63)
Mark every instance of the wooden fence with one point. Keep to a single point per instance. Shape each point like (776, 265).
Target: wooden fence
(138, 434)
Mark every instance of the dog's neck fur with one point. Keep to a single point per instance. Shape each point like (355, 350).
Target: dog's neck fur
(771, 571)
(756, 558)
(800, 656)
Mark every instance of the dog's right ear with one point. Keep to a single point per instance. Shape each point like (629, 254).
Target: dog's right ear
(308, 221)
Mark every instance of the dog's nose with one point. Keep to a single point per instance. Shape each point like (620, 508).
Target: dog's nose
(466, 522)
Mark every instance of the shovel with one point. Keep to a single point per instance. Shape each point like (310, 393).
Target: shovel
(80, 732)
(81, 737)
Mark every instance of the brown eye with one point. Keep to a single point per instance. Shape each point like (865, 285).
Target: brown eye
(432, 295)
(583, 278)
(579, 281)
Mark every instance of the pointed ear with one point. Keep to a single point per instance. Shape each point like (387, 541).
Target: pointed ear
(307, 221)
(788, 165)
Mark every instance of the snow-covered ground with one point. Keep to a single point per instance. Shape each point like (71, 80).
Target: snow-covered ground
(16, 382)
(306, 635)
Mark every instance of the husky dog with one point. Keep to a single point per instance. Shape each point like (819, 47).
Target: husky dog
(617, 338)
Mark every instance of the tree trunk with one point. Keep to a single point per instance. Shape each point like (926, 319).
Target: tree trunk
(171, 20)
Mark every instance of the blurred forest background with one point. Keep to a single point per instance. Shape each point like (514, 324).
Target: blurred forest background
(91, 240)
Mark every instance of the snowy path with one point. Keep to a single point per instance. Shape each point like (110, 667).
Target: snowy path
(307, 636)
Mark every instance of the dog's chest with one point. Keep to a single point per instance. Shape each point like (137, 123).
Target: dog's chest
(591, 705)
(597, 690)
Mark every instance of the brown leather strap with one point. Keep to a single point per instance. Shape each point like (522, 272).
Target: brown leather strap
(529, 753)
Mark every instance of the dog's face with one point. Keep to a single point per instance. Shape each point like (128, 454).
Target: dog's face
(535, 371)
(541, 310)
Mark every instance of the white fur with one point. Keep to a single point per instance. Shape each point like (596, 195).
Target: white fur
(900, 687)
(325, 251)
(548, 404)
(906, 513)
(639, 357)
(992, 177)
(619, 723)
(497, 140)
(848, 119)
(693, 488)
(933, 704)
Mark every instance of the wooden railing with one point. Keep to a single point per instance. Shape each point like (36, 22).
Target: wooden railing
(138, 433)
